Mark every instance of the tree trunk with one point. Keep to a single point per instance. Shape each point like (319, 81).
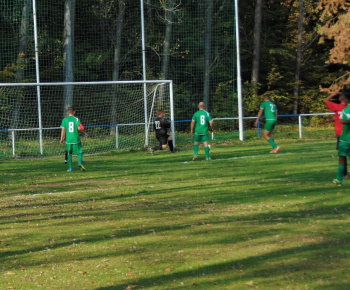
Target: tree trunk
(167, 39)
(299, 57)
(257, 42)
(68, 56)
(117, 60)
(207, 50)
(21, 60)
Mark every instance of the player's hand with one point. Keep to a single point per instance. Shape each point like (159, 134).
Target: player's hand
(61, 141)
(256, 124)
(191, 133)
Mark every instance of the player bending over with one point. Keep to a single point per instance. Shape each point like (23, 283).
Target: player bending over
(70, 133)
(201, 121)
(338, 110)
(344, 140)
(161, 126)
(270, 111)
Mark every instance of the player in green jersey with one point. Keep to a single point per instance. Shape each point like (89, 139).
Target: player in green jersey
(200, 127)
(344, 140)
(70, 133)
(270, 111)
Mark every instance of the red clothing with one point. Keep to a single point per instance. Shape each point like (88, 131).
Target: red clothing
(337, 109)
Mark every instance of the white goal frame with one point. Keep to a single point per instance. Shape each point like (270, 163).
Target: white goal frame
(147, 116)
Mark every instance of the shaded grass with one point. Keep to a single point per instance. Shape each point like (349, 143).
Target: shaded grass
(247, 219)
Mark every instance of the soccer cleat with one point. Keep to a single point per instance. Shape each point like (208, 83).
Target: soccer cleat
(346, 176)
(275, 150)
(208, 159)
(70, 170)
(195, 158)
(82, 168)
(337, 182)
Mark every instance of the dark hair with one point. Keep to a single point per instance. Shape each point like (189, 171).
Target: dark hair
(346, 95)
(70, 110)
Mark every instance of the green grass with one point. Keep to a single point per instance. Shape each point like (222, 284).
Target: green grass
(246, 219)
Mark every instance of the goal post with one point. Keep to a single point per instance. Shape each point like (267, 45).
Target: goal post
(112, 112)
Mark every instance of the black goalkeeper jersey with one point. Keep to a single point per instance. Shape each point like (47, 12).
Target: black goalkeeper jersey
(161, 126)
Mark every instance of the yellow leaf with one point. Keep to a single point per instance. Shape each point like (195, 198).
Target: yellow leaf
(9, 273)
(130, 273)
(250, 283)
(168, 269)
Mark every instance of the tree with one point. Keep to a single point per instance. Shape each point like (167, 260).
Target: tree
(169, 13)
(21, 59)
(68, 55)
(299, 56)
(257, 41)
(117, 59)
(207, 49)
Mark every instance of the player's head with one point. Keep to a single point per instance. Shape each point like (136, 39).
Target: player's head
(71, 111)
(266, 97)
(345, 98)
(201, 106)
(160, 113)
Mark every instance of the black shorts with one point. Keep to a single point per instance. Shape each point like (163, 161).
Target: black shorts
(163, 139)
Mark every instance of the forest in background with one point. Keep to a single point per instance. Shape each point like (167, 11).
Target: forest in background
(295, 50)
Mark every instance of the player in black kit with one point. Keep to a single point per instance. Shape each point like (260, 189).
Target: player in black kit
(161, 126)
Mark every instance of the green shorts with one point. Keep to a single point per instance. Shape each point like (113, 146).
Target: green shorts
(344, 149)
(74, 148)
(269, 125)
(201, 138)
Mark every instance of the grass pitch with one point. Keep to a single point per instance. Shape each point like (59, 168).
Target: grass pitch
(247, 219)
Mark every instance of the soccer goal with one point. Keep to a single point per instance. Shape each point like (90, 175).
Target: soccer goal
(116, 115)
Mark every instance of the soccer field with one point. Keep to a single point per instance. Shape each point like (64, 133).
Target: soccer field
(246, 219)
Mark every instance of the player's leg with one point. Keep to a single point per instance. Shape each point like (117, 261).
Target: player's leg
(159, 146)
(66, 157)
(170, 143)
(205, 139)
(196, 140)
(69, 157)
(345, 173)
(344, 152)
(79, 151)
(269, 126)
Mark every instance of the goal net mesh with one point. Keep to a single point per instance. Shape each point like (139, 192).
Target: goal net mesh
(113, 116)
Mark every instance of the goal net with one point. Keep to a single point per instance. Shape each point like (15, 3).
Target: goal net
(116, 115)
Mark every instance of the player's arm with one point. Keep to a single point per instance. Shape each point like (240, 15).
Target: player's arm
(63, 135)
(211, 124)
(192, 126)
(342, 121)
(259, 116)
(331, 96)
(81, 128)
(276, 115)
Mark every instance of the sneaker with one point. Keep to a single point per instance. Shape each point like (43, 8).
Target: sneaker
(346, 176)
(70, 170)
(65, 161)
(208, 159)
(195, 158)
(82, 168)
(337, 182)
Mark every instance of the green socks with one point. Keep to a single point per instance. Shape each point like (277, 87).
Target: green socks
(70, 161)
(207, 149)
(272, 142)
(195, 149)
(80, 159)
(340, 173)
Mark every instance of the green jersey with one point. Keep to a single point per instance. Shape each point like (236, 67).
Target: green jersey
(202, 119)
(345, 136)
(270, 110)
(71, 124)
